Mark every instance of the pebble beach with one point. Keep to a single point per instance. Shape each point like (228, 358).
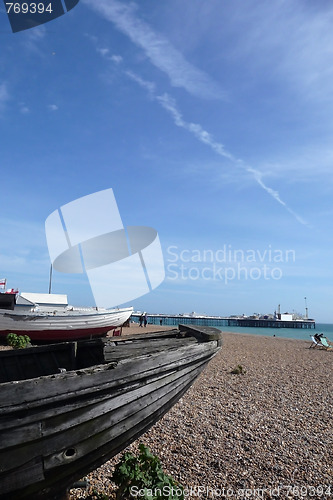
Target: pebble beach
(263, 433)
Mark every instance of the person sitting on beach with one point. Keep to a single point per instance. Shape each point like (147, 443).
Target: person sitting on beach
(318, 336)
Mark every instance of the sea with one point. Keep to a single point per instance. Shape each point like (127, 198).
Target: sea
(287, 333)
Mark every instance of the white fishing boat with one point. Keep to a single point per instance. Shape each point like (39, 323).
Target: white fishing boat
(49, 317)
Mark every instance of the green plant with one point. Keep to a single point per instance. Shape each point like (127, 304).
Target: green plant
(143, 476)
(17, 341)
(238, 370)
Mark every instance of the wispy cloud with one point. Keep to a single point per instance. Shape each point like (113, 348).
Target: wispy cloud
(291, 41)
(24, 109)
(52, 107)
(4, 95)
(116, 58)
(103, 51)
(307, 163)
(37, 33)
(159, 51)
(32, 40)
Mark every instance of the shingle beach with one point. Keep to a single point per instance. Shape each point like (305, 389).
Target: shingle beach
(266, 433)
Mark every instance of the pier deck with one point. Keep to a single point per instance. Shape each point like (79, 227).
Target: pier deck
(219, 322)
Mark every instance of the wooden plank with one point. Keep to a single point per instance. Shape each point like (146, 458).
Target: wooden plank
(83, 414)
(144, 335)
(35, 361)
(63, 386)
(93, 419)
(125, 423)
(46, 357)
(30, 472)
(131, 369)
(203, 333)
(72, 471)
(73, 414)
(139, 349)
(21, 433)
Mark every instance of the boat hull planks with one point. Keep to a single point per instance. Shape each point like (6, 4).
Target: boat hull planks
(58, 427)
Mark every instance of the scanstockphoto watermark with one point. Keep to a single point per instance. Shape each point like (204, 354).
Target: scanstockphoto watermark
(227, 264)
(204, 492)
(288, 491)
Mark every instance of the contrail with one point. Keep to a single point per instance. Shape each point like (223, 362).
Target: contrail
(181, 73)
(169, 104)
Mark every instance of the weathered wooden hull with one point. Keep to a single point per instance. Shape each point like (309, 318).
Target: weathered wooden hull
(62, 326)
(56, 428)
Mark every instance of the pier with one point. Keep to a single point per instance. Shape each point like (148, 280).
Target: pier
(219, 321)
(269, 323)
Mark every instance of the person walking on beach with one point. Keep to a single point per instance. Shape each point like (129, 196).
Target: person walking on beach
(141, 320)
(145, 320)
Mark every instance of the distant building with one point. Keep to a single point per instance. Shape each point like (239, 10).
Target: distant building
(286, 317)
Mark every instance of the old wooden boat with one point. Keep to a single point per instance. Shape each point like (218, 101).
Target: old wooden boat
(48, 317)
(67, 408)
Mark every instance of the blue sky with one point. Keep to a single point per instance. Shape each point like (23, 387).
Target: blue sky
(211, 121)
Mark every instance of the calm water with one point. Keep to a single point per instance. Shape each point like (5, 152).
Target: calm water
(290, 333)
